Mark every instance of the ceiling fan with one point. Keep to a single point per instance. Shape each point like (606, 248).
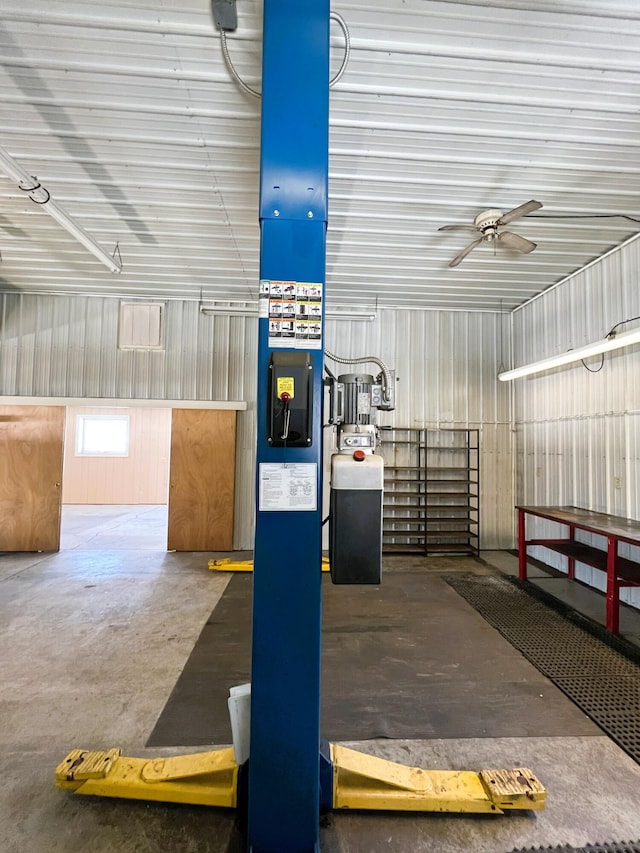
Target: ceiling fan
(488, 222)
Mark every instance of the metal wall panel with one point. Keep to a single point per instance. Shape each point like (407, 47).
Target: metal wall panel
(446, 364)
(578, 432)
(67, 346)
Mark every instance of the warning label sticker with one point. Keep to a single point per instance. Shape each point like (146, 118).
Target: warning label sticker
(285, 385)
(294, 311)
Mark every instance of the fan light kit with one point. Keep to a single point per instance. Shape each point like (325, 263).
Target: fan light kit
(488, 224)
(611, 342)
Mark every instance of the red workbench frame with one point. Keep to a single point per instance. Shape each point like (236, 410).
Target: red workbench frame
(620, 571)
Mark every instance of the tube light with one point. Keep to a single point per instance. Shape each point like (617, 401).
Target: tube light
(232, 310)
(251, 310)
(41, 197)
(611, 342)
(367, 316)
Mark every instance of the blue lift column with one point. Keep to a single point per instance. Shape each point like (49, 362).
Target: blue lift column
(283, 779)
(290, 775)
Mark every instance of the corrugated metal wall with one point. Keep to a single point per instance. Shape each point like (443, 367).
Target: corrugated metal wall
(67, 346)
(578, 432)
(446, 363)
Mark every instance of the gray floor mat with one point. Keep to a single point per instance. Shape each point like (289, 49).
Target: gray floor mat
(407, 659)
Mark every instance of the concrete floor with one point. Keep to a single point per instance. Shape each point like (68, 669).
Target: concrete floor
(114, 527)
(93, 640)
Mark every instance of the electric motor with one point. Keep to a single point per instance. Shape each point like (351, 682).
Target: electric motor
(356, 397)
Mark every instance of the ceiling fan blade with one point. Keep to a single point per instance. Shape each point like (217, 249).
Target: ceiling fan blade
(458, 228)
(463, 254)
(515, 241)
(525, 208)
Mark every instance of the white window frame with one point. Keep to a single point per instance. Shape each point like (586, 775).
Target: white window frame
(80, 432)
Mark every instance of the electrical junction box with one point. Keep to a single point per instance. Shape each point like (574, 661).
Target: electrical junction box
(355, 518)
(290, 399)
(225, 14)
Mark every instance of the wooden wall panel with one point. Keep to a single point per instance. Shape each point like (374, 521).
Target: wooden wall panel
(140, 478)
(31, 440)
(201, 480)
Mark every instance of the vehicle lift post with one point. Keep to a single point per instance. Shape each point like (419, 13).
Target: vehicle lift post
(292, 776)
(284, 788)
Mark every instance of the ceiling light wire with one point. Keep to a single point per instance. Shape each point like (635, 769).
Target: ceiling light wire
(593, 369)
(583, 216)
(610, 334)
(612, 330)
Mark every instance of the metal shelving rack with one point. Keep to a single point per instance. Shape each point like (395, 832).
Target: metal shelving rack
(431, 499)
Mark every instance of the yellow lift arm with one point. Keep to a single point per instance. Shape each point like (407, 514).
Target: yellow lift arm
(360, 781)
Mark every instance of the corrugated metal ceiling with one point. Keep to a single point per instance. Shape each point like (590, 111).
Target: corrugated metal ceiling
(126, 113)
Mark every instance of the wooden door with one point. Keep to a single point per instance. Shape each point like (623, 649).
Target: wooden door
(31, 442)
(201, 480)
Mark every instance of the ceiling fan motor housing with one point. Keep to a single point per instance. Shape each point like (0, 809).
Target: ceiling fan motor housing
(487, 219)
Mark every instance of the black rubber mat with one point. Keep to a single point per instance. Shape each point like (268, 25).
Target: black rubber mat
(407, 659)
(565, 849)
(614, 847)
(598, 677)
(617, 847)
(614, 641)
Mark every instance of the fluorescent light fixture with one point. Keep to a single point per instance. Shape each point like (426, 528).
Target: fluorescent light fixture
(250, 309)
(346, 314)
(615, 341)
(233, 309)
(37, 193)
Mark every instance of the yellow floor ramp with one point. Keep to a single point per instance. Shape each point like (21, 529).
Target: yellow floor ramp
(360, 781)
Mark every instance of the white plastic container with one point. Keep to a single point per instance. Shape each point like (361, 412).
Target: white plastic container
(239, 702)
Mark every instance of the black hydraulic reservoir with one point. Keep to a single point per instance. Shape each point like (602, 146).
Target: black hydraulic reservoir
(355, 519)
(290, 410)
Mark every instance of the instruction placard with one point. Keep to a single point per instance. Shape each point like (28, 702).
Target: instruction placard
(294, 311)
(285, 385)
(287, 487)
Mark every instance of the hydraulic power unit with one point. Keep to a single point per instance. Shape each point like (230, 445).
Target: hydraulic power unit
(355, 520)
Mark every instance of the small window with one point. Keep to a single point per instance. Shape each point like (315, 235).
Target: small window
(102, 435)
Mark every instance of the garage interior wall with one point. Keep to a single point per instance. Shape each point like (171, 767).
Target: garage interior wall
(141, 477)
(446, 362)
(578, 432)
(67, 346)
